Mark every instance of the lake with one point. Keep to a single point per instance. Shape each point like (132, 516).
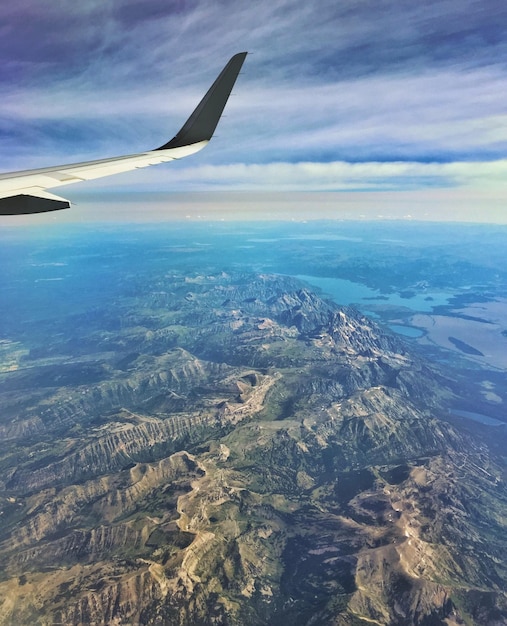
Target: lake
(477, 417)
(406, 331)
(347, 292)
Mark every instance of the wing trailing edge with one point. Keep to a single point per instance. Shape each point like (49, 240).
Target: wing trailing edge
(25, 192)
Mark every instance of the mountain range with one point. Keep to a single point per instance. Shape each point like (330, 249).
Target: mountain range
(233, 449)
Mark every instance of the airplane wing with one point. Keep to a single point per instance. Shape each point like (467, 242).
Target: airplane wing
(26, 192)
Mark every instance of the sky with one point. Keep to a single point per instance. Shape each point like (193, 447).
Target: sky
(391, 108)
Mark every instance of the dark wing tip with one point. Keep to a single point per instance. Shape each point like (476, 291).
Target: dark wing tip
(201, 125)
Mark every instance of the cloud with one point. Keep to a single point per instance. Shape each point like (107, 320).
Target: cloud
(311, 176)
(445, 116)
(292, 40)
(377, 94)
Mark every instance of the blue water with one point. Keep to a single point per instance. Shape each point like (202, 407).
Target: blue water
(477, 417)
(406, 331)
(347, 292)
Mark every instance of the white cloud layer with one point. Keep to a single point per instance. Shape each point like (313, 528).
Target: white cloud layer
(311, 176)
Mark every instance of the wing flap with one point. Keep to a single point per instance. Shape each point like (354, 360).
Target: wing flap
(49, 177)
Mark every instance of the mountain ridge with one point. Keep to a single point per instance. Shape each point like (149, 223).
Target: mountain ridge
(248, 453)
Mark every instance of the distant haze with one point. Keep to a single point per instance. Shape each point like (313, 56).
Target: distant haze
(449, 205)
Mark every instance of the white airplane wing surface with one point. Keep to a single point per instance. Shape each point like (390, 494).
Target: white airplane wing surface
(26, 192)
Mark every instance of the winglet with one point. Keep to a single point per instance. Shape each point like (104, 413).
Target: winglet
(201, 125)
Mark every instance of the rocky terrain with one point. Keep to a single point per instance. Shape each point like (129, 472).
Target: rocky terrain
(235, 450)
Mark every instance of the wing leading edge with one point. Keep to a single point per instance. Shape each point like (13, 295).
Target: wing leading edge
(25, 192)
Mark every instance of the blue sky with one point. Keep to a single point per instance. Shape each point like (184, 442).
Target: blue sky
(361, 97)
